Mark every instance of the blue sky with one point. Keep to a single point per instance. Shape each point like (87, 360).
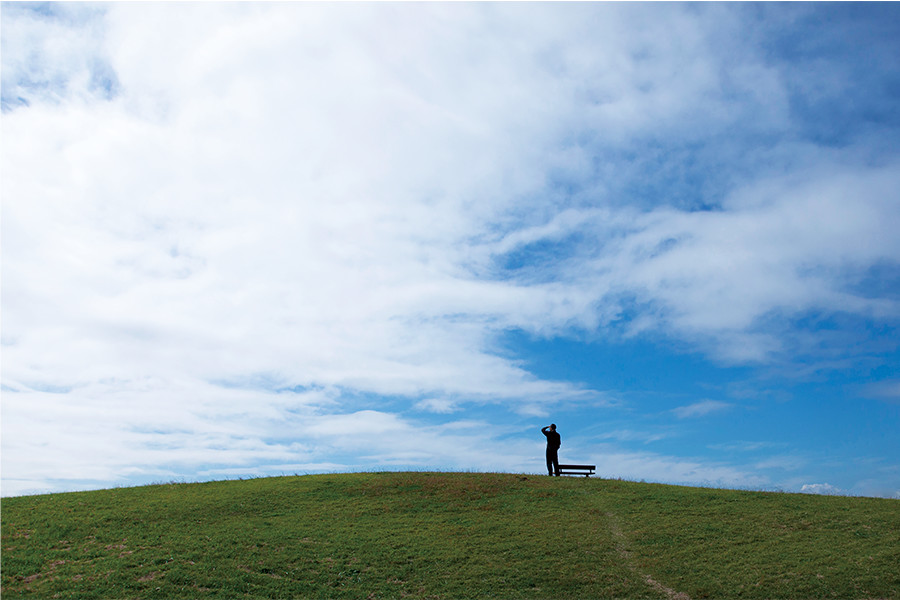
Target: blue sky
(299, 238)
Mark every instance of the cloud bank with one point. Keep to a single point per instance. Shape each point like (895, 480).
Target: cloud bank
(283, 234)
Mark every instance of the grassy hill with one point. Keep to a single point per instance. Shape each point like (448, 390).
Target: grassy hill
(447, 535)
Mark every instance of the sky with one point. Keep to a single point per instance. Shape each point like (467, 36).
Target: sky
(250, 239)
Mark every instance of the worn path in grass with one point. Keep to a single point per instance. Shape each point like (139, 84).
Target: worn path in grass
(447, 535)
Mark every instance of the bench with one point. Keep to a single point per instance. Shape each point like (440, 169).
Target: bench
(586, 470)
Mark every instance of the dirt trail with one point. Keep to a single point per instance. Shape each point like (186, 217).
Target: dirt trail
(616, 529)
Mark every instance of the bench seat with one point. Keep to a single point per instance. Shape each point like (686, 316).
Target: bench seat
(586, 470)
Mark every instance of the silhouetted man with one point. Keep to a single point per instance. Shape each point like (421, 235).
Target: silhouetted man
(553, 443)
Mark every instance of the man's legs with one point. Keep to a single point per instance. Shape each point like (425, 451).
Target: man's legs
(552, 462)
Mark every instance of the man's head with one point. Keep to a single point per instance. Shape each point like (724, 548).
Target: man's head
(552, 426)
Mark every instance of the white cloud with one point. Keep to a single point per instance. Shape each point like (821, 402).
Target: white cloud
(701, 409)
(888, 389)
(437, 405)
(822, 488)
(53, 58)
(628, 435)
(780, 248)
(747, 446)
(660, 468)
(316, 202)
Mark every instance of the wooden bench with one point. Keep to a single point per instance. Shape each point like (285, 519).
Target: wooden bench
(586, 470)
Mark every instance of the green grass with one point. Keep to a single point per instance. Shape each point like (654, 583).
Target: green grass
(447, 535)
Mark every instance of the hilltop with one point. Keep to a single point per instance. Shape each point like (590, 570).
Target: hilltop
(447, 535)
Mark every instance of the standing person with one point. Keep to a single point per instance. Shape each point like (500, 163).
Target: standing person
(553, 443)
